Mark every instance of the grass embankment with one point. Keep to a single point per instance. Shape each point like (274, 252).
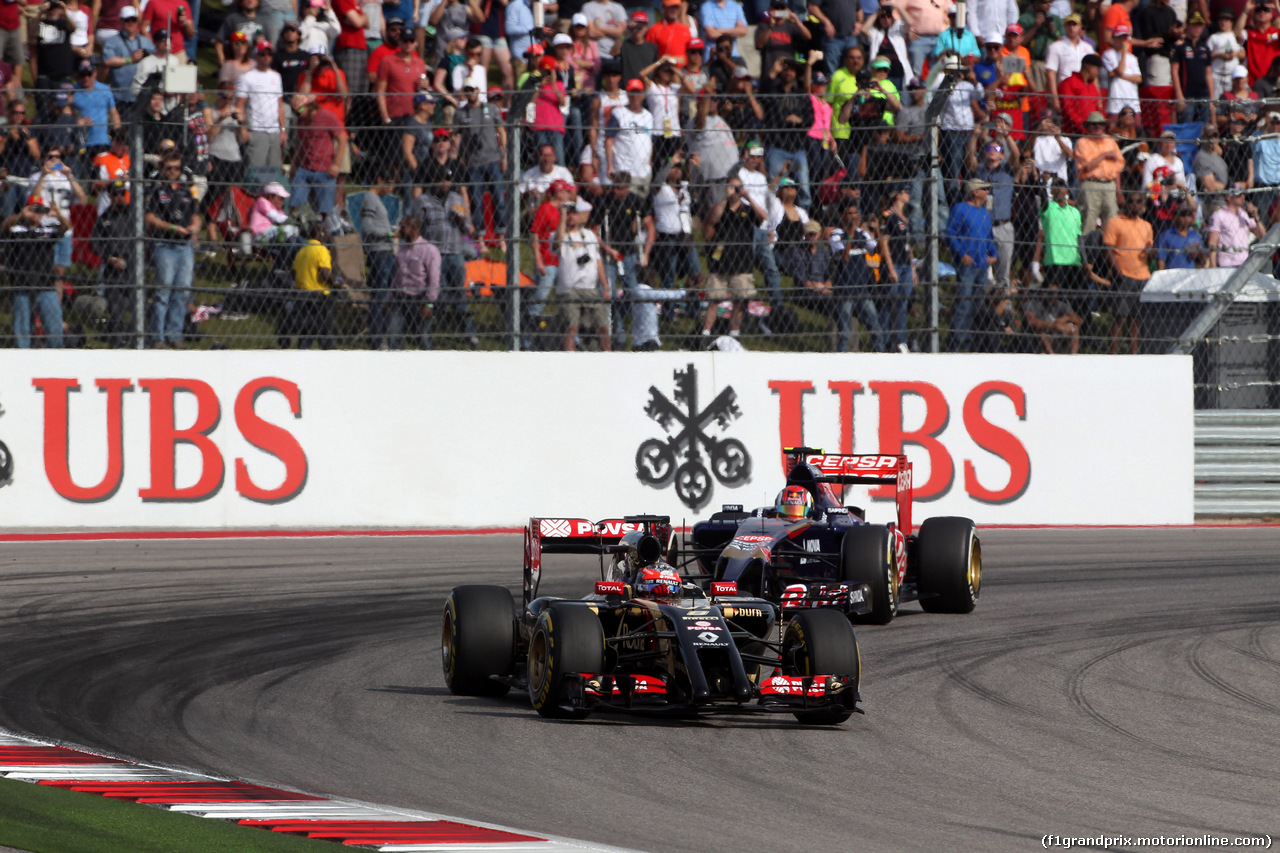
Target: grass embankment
(43, 819)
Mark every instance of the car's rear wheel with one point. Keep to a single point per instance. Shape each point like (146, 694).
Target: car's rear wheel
(477, 639)
(822, 642)
(950, 561)
(566, 639)
(866, 556)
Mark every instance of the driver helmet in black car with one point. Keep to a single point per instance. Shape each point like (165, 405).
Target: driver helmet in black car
(794, 502)
(657, 582)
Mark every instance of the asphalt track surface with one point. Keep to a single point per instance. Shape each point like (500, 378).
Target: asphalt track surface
(1117, 682)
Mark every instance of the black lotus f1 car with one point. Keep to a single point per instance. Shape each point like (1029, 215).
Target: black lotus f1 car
(646, 640)
(824, 559)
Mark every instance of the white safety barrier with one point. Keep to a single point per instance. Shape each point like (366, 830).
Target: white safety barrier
(439, 439)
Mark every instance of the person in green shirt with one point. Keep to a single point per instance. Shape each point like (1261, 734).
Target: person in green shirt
(1059, 246)
(881, 83)
(843, 86)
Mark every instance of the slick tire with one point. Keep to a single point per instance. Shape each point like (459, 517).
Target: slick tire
(866, 556)
(477, 639)
(566, 639)
(822, 642)
(950, 565)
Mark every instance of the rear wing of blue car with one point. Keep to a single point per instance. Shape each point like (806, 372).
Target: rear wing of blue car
(852, 469)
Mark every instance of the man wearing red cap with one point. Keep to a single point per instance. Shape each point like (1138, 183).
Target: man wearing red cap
(1261, 39)
(546, 262)
(628, 139)
(671, 35)
(636, 52)
(259, 107)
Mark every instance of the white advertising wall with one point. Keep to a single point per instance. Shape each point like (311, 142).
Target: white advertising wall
(287, 439)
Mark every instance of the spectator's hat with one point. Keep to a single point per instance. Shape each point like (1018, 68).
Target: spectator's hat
(1096, 117)
(118, 188)
(583, 206)
(639, 16)
(971, 187)
(755, 149)
(560, 39)
(786, 182)
(579, 20)
(1196, 18)
(396, 21)
(819, 78)
(1225, 12)
(666, 3)
(548, 63)
(420, 99)
(951, 63)
(534, 49)
(289, 25)
(610, 66)
(1169, 134)
(455, 33)
(1073, 18)
(38, 203)
(993, 43)
(318, 49)
(812, 227)
(1239, 72)
(740, 72)
(635, 84)
(881, 62)
(1092, 59)
(160, 35)
(494, 92)
(695, 44)
(1122, 31)
(275, 188)
(1013, 29)
(1234, 189)
(915, 83)
(129, 13)
(86, 67)
(239, 36)
(1005, 117)
(62, 97)
(557, 185)
(263, 46)
(773, 4)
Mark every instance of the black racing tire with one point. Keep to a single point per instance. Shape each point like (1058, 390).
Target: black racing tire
(477, 639)
(866, 556)
(949, 556)
(822, 642)
(567, 638)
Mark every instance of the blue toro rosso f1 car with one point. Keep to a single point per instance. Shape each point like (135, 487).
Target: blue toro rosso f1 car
(812, 551)
(646, 639)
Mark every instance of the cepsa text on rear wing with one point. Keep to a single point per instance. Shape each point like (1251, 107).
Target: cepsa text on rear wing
(861, 469)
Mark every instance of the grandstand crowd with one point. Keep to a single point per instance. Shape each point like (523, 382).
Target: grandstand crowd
(737, 169)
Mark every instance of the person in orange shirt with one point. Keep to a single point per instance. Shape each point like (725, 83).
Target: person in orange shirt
(110, 166)
(1013, 81)
(671, 35)
(1129, 238)
(1098, 164)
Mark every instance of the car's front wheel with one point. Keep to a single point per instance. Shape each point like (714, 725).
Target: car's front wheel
(566, 639)
(822, 642)
(866, 556)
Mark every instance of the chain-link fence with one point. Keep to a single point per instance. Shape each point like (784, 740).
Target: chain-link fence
(940, 217)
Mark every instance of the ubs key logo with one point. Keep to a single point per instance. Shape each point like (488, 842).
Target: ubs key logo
(689, 433)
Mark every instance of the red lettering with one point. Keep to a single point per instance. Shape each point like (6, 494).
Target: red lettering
(846, 390)
(272, 439)
(57, 466)
(893, 436)
(997, 441)
(165, 438)
(790, 413)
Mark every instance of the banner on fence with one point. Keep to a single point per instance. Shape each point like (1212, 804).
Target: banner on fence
(443, 439)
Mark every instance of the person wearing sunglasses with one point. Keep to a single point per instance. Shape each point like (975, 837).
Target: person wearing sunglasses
(57, 188)
(995, 165)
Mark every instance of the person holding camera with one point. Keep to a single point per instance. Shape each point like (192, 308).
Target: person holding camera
(729, 231)
(780, 34)
(581, 284)
(174, 18)
(31, 235)
(53, 62)
(121, 52)
(148, 73)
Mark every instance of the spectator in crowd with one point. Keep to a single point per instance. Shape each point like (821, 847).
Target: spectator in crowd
(1237, 151)
(1129, 239)
(1265, 86)
(269, 224)
(482, 143)
(240, 26)
(987, 69)
(239, 59)
(883, 89)
(780, 34)
(635, 52)
(1058, 246)
(1098, 165)
(32, 233)
(787, 220)
(274, 16)
(260, 109)
(52, 60)
(57, 188)
(671, 34)
(19, 156)
(1260, 38)
(291, 59)
(584, 53)
(1038, 29)
(973, 246)
(629, 135)
(416, 286)
(471, 70)
(728, 232)
(415, 140)
(1226, 51)
(546, 262)
(1156, 28)
(757, 184)
(898, 265)
(1053, 321)
(310, 311)
(1192, 71)
(740, 108)
(1064, 58)
(996, 168)
(317, 26)
(602, 104)
(1052, 151)
(390, 46)
(957, 40)
(887, 37)
(538, 180)
(853, 281)
(518, 25)
(113, 242)
(396, 81)
(550, 109)
(1123, 72)
(446, 219)
(607, 23)
(350, 49)
(1240, 90)
(581, 284)
(1266, 162)
(841, 90)
(665, 82)
(319, 143)
(1180, 247)
(380, 263)
(724, 63)
(1080, 95)
(675, 255)
(1232, 230)
(96, 103)
(814, 289)
(173, 17)
(174, 225)
(13, 26)
(1167, 157)
(721, 19)
(1208, 166)
(788, 115)
(959, 117)
(838, 29)
(120, 55)
(996, 325)
(619, 217)
(710, 137)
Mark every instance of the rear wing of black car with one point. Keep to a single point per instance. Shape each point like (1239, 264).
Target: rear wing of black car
(845, 469)
(582, 536)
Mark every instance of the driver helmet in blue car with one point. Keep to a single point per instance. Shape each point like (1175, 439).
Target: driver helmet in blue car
(794, 502)
(654, 582)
